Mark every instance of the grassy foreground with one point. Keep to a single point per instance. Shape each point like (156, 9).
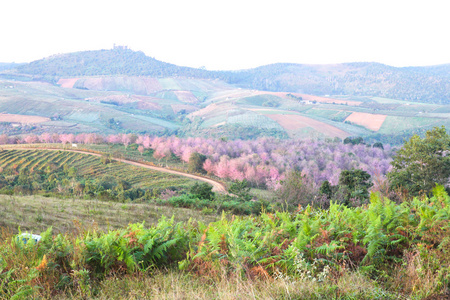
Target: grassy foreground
(36, 213)
(382, 250)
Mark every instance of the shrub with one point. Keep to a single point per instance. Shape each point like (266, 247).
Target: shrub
(202, 191)
(296, 189)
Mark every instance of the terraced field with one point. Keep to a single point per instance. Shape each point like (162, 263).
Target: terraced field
(89, 166)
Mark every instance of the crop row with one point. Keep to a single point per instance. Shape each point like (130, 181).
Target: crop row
(87, 166)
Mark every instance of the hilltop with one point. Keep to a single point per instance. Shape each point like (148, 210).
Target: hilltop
(117, 61)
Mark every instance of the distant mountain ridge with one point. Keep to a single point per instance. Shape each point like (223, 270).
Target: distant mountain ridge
(8, 66)
(421, 84)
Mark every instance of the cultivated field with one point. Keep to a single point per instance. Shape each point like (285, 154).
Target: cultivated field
(293, 123)
(370, 121)
(67, 82)
(24, 119)
(89, 166)
(111, 104)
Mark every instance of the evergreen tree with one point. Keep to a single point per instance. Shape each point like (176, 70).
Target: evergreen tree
(195, 164)
(355, 184)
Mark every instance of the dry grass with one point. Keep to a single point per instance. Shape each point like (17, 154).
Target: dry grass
(172, 284)
(418, 276)
(37, 213)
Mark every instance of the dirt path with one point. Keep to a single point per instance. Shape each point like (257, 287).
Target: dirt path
(217, 186)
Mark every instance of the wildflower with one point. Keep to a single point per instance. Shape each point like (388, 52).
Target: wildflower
(43, 264)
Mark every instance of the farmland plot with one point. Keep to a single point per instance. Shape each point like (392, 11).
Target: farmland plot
(292, 123)
(370, 121)
(24, 119)
(254, 120)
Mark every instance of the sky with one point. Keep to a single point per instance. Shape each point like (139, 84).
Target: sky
(232, 34)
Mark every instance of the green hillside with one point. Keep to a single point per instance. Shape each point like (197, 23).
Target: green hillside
(202, 107)
(120, 90)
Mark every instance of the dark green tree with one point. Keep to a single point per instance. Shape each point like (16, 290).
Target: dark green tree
(326, 189)
(354, 141)
(195, 164)
(354, 184)
(378, 145)
(240, 189)
(422, 162)
(348, 140)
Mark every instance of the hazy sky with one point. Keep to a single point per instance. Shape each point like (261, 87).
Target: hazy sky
(232, 34)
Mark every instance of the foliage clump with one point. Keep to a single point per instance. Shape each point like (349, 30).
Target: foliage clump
(354, 185)
(202, 191)
(195, 164)
(422, 162)
(241, 189)
(296, 189)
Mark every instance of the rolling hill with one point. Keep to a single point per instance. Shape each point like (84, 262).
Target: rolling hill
(420, 84)
(120, 90)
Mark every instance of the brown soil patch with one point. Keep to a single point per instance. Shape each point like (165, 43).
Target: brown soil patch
(220, 124)
(282, 95)
(186, 96)
(10, 118)
(178, 107)
(235, 94)
(370, 121)
(148, 105)
(294, 122)
(268, 111)
(210, 109)
(67, 82)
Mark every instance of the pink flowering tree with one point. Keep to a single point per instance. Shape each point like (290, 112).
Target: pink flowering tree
(31, 139)
(141, 149)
